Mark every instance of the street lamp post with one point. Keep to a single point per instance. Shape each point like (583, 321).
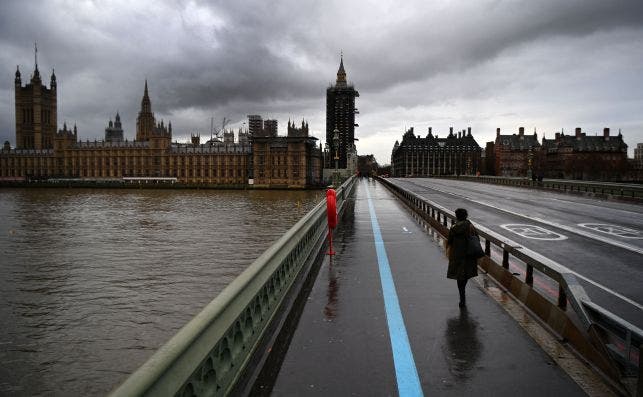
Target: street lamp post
(336, 145)
(529, 171)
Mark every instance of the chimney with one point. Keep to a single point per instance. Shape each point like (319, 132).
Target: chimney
(557, 135)
(497, 131)
(606, 132)
(450, 130)
(578, 132)
(459, 132)
(521, 131)
(469, 131)
(430, 130)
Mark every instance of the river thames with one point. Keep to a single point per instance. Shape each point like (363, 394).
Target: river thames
(92, 282)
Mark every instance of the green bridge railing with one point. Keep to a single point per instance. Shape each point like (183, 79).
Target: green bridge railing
(212, 353)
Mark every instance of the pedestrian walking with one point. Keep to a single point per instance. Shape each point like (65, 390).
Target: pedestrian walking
(461, 266)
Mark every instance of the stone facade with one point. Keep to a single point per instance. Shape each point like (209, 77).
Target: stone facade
(580, 156)
(222, 164)
(36, 112)
(515, 155)
(457, 154)
(114, 130)
(293, 161)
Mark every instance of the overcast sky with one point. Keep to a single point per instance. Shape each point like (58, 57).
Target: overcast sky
(544, 65)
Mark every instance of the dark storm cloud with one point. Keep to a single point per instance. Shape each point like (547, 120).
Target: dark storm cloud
(237, 58)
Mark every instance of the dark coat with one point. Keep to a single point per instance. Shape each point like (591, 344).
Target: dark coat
(461, 266)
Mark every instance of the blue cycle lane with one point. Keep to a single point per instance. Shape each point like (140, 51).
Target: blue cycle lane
(383, 320)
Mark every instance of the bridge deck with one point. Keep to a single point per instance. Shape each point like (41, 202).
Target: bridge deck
(350, 331)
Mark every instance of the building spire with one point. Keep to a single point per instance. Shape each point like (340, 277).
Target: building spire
(146, 104)
(341, 73)
(36, 73)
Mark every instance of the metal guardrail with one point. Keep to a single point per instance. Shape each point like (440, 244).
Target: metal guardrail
(209, 354)
(628, 336)
(607, 189)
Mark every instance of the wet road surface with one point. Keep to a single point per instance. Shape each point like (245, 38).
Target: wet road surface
(602, 241)
(345, 343)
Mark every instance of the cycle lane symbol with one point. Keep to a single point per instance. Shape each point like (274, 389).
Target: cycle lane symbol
(533, 232)
(614, 230)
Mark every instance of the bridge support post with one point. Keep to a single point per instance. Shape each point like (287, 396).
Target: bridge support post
(562, 298)
(505, 259)
(529, 278)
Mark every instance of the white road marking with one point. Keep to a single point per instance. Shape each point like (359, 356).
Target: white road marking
(571, 229)
(615, 230)
(604, 288)
(584, 278)
(602, 207)
(405, 230)
(533, 232)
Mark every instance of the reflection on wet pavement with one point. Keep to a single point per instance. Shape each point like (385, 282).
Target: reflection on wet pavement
(462, 349)
(331, 293)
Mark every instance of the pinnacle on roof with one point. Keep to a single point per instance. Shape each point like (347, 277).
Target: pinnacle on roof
(341, 73)
(36, 73)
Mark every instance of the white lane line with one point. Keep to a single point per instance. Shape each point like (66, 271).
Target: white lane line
(602, 207)
(550, 223)
(604, 288)
(590, 281)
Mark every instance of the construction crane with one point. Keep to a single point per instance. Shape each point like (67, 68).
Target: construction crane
(216, 133)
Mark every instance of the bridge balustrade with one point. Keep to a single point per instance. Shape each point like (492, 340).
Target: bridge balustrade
(213, 352)
(606, 338)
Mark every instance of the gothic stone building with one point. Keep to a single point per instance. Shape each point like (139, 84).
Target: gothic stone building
(286, 162)
(36, 121)
(42, 153)
(454, 155)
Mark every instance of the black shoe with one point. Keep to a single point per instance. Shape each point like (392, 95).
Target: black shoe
(462, 303)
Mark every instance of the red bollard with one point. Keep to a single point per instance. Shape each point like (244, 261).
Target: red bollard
(331, 212)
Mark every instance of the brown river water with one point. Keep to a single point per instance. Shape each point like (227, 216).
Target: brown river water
(92, 282)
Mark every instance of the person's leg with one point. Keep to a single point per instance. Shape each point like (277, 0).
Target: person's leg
(462, 284)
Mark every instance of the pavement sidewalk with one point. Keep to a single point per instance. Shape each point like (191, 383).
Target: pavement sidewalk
(348, 342)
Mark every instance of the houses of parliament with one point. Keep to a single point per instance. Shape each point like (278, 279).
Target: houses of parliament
(259, 157)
